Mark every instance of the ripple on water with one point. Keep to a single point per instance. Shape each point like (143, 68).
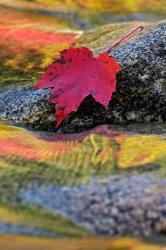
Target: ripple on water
(23, 230)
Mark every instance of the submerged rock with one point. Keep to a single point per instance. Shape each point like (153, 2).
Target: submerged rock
(132, 205)
(140, 95)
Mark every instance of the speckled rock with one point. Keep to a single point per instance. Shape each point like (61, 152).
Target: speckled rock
(141, 92)
(140, 95)
(27, 107)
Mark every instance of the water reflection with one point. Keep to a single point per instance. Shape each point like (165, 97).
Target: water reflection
(104, 182)
(90, 243)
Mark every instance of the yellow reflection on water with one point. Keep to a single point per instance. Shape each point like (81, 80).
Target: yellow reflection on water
(34, 243)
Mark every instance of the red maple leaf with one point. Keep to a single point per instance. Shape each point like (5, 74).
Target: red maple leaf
(78, 74)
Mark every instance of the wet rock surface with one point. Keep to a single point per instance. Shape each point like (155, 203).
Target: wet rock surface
(140, 95)
(119, 205)
(27, 107)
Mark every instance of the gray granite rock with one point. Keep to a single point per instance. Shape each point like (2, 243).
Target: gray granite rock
(141, 90)
(27, 107)
(140, 95)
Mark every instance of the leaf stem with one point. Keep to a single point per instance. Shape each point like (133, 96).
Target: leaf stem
(124, 38)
